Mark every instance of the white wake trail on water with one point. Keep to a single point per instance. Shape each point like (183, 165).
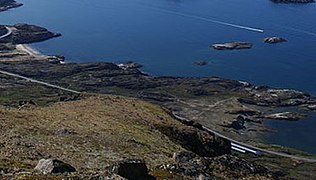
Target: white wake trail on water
(210, 20)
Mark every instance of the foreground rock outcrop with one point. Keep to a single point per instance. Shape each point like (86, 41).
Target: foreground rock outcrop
(226, 167)
(132, 169)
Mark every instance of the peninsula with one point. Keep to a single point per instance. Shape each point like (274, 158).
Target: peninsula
(8, 4)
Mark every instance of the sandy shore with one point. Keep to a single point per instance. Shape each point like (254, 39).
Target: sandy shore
(29, 50)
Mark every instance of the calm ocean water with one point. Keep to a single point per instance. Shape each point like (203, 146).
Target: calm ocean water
(167, 36)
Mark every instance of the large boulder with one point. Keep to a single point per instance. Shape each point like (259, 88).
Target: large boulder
(131, 169)
(50, 166)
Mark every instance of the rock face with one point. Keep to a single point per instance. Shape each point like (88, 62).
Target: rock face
(8, 4)
(50, 166)
(232, 45)
(25, 34)
(293, 1)
(199, 142)
(238, 124)
(132, 169)
(183, 156)
(274, 40)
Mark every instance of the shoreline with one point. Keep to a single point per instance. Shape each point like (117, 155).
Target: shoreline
(29, 50)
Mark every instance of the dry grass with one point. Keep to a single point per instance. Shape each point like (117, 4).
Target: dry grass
(90, 134)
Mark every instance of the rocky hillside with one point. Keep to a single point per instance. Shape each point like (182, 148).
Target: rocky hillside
(93, 133)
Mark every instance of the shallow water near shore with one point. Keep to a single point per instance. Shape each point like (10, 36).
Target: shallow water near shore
(167, 36)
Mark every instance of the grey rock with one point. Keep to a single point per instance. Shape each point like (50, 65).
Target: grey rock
(183, 156)
(51, 166)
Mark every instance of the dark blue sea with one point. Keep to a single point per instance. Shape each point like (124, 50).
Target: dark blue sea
(167, 36)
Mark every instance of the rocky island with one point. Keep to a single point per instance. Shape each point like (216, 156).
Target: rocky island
(8, 4)
(274, 40)
(232, 45)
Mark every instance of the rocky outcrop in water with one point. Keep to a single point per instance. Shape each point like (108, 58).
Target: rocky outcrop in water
(274, 40)
(232, 45)
(201, 63)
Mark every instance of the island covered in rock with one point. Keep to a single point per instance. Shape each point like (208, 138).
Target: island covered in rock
(8, 4)
(232, 46)
(274, 40)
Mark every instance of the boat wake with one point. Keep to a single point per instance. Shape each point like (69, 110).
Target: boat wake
(210, 20)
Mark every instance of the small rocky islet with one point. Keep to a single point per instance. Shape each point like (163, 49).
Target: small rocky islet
(274, 40)
(232, 45)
